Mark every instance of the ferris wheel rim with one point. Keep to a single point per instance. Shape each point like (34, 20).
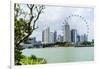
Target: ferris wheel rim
(83, 18)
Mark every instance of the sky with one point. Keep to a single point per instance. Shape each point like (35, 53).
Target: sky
(55, 16)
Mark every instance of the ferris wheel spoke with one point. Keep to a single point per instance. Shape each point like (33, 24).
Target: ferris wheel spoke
(80, 20)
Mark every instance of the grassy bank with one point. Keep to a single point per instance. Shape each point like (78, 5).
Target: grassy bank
(28, 60)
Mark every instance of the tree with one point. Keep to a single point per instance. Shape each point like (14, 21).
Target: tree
(24, 25)
(86, 43)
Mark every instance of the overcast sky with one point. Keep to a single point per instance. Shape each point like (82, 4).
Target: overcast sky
(54, 17)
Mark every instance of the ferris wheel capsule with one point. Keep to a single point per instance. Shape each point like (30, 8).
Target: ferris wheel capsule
(69, 16)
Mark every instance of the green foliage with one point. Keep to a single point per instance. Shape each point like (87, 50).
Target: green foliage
(86, 43)
(33, 57)
(32, 60)
(21, 29)
(22, 26)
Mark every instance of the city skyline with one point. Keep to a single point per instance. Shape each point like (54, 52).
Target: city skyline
(55, 20)
(72, 37)
(69, 35)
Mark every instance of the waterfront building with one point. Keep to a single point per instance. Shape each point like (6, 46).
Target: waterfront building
(33, 40)
(55, 36)
(51, 39)
(46, 35)
(74, 35)
(83, 38)
(43, 36)
(78, 38)
(60, 38)
(67, 33)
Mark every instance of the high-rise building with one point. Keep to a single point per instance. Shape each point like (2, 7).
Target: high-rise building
(46, 35)
(74, 35)
(43, 36)
(55, 36)
(83, 38)
(67, 33)
(51, 39)
(60, 38)
(34, 40)
(78, 38)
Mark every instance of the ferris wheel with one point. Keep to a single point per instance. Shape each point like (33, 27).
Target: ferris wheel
(79, 23)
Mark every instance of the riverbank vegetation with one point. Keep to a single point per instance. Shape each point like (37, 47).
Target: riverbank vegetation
(63, 44)
(28, 60)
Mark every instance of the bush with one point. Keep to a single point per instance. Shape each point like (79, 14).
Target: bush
(33, 57)
(32, 60)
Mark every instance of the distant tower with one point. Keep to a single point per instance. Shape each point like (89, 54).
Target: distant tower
(74, 35)
(46, 35)
(60, 38)
(78, 38)
(51, 39)
(55, 36)
(34, 40)
(84, 37)
(67, 33)
(43, 36)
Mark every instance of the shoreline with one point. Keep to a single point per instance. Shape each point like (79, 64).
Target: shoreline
(62, 47)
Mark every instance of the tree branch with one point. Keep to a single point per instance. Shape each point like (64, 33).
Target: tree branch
(30, 21)
(39, 12)
(24, 38)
